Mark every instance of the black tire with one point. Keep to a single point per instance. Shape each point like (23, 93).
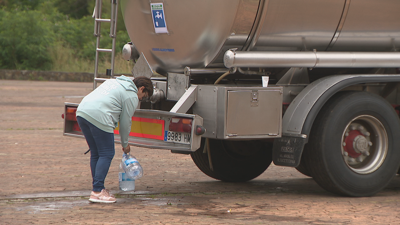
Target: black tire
(234, 161)
(370, 158)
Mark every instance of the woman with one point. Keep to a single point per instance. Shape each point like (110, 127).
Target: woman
(98, 114)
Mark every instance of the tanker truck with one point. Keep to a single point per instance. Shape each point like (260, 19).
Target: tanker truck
(239, 84)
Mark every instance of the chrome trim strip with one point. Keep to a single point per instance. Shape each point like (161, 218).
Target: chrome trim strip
(340, 25)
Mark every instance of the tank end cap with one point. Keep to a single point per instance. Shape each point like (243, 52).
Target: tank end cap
(229, 58)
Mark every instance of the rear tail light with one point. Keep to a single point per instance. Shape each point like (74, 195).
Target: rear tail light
(70, 119)
(76, 127)
(182, 125)
(71, 113)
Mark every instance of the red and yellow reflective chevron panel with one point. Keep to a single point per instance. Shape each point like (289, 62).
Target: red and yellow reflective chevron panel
(146, 128)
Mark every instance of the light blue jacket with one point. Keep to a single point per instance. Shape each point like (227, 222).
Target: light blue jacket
(112, 102)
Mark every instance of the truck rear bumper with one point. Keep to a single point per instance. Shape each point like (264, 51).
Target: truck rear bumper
(150, 129)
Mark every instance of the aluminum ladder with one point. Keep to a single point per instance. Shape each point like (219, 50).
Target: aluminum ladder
(113, 30)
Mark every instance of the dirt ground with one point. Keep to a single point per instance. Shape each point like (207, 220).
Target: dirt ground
(45, 178)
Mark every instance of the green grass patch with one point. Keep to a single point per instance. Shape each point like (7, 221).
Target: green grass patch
(65, 60)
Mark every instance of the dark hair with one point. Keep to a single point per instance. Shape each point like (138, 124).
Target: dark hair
(146, 83)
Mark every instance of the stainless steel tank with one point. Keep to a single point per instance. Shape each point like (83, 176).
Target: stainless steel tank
(199, 32)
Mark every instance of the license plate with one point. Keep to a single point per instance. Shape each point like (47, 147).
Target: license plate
(177, 137)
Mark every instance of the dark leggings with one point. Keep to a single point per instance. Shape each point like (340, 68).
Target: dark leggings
(102, 150)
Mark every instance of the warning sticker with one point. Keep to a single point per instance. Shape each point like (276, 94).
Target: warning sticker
(157, 11)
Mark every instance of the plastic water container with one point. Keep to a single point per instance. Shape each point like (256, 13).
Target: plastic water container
(129, 171)
(131, 167)
(125, 183)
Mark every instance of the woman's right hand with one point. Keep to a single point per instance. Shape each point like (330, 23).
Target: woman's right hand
(127, 149)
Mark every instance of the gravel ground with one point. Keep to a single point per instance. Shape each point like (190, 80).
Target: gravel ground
(45, 178)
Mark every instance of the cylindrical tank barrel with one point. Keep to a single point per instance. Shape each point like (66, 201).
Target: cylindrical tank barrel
(197, 33)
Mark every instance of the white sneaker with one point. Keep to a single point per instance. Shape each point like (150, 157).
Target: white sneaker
(103, 197)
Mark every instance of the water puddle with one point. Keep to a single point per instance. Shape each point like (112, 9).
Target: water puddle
(50, 207)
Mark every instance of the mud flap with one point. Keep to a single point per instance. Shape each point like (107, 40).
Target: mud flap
(287, 150)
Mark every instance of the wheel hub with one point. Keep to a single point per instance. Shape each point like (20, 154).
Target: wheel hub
(364, 144)
(356, 144)
(361, 144)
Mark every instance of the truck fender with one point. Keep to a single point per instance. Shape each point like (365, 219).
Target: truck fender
(301, 113)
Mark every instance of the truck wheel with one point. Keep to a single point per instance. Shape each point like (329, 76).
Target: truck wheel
(233, 161)
(354, 146)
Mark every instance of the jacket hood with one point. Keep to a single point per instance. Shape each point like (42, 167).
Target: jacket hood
(127, 83)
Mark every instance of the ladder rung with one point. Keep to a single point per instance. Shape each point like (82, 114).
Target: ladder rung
(103, 20)
(104, 50)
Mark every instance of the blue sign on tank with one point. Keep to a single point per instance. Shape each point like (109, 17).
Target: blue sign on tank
(157, 11)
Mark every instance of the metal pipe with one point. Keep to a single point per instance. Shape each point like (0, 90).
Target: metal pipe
(189, 71)
(222, 77)
(312, 59)
(157, 96)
